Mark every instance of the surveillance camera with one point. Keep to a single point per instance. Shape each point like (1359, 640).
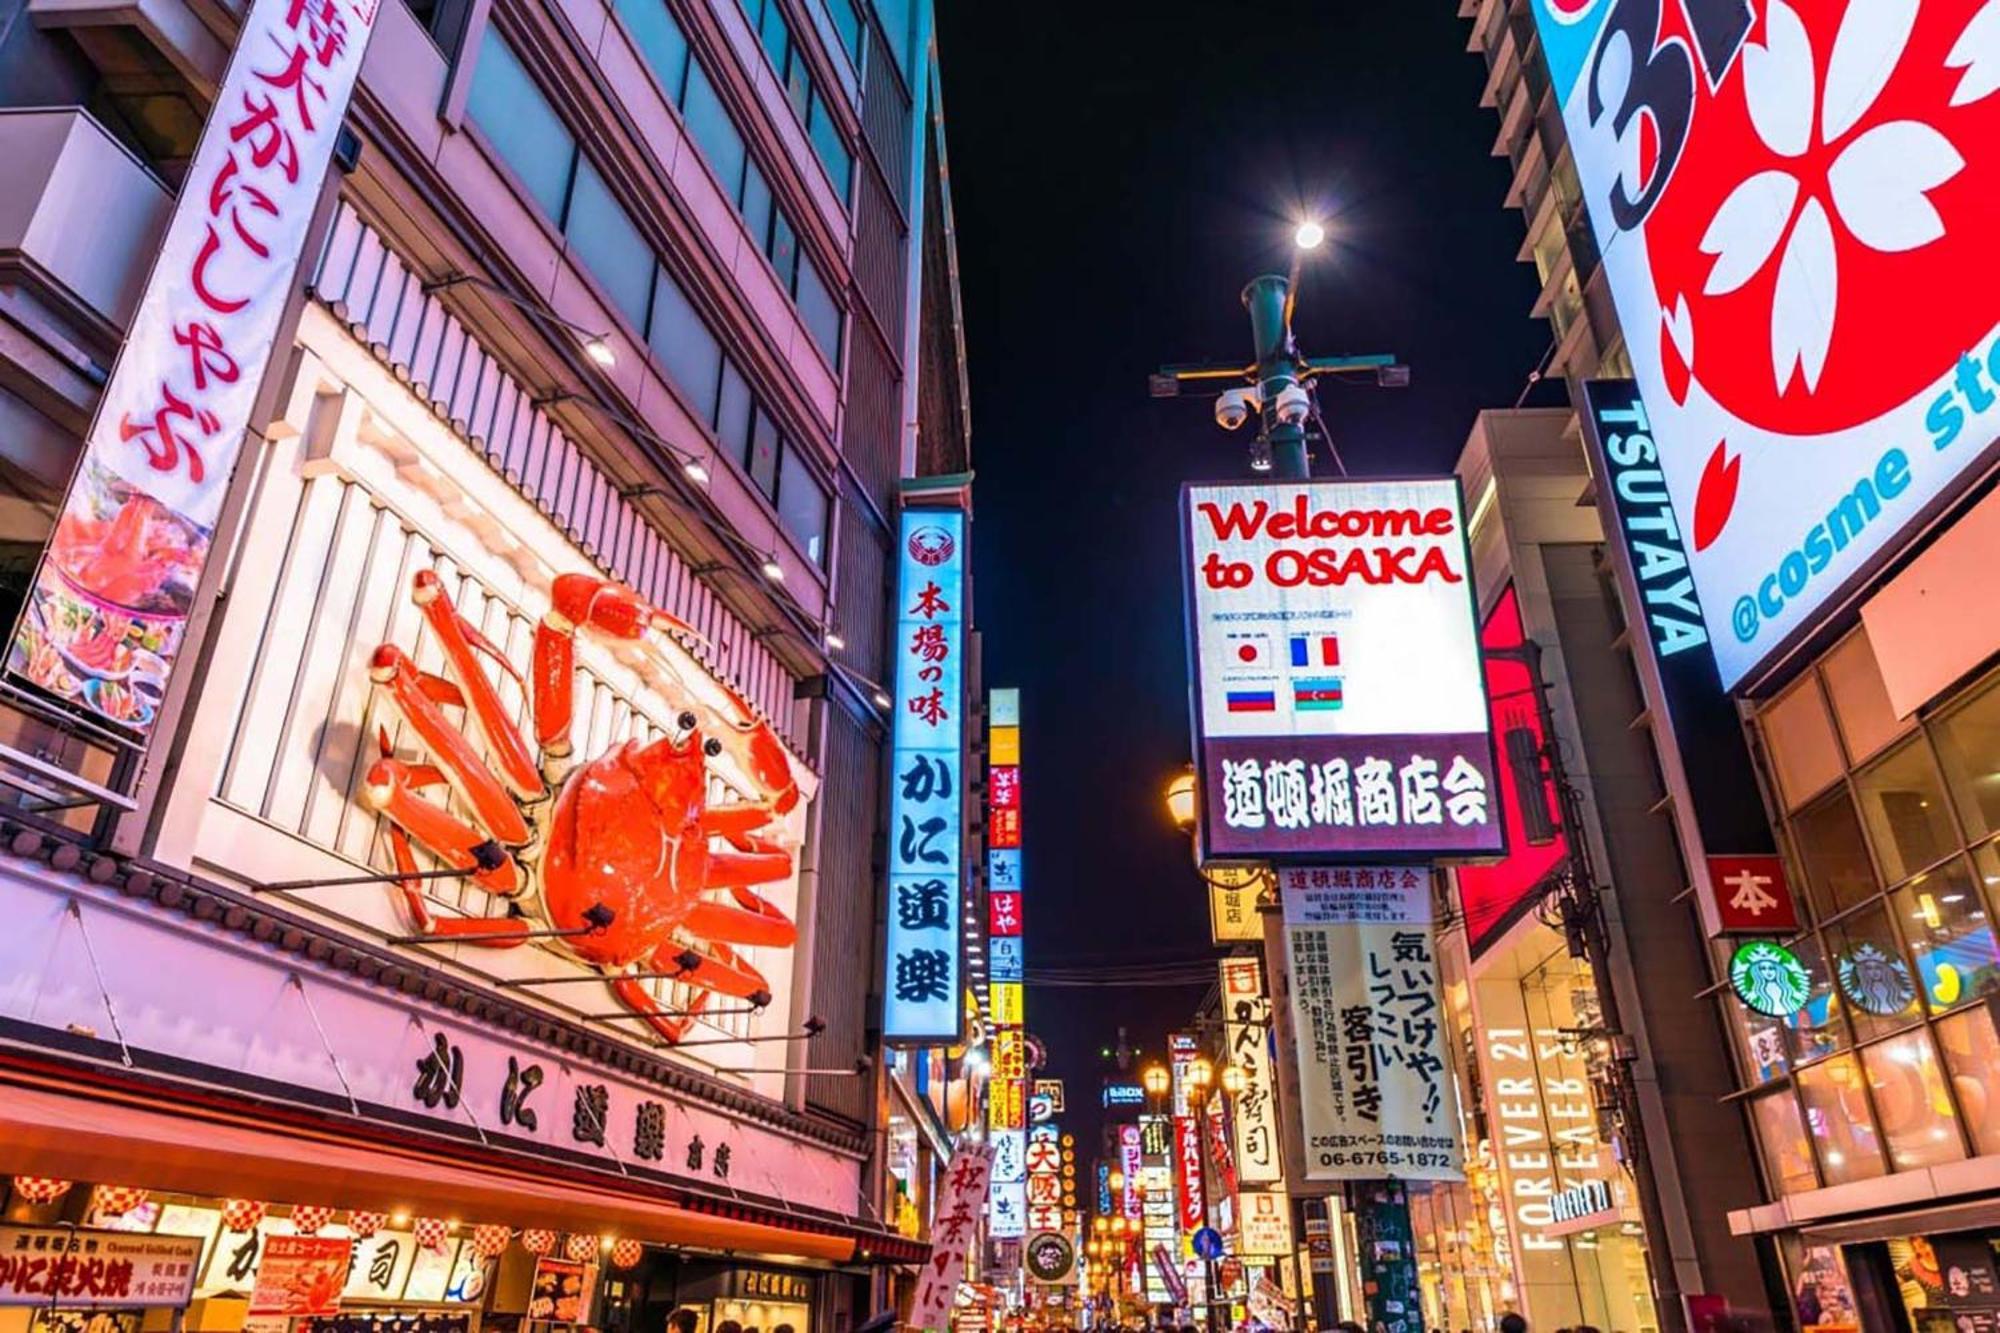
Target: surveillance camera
(1294, 405)
(1236, 406)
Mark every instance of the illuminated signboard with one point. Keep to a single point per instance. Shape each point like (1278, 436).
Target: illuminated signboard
(1246, 1013)
(1334, 650)
(111, 599)
(1494, 896)
(924, 982)
(1124, 1094)
(1795, 207)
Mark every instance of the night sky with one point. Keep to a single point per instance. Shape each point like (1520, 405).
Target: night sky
(1119, 171)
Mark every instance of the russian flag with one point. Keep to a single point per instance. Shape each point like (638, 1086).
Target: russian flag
(1252, 701)
(1315, 650)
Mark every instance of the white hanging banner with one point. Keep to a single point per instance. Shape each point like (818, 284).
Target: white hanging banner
(1375, 1090)
(104, 622)
(953, 1227)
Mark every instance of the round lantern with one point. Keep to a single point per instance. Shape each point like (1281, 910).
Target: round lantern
(243, 1214)
(537, 1241)
(579, 1247)
(309, 1219)
(431, 1233)
(41, 1189)
(118, 1200)
(626, 1253)
(364, 1225)
(489, 1240)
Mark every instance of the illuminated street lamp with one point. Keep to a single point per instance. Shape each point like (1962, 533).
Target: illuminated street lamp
(1180, 799)
(1234, 1080)
(1156, 1080)
(1100, 1224)
(1200, 1073)
(1116, 1180)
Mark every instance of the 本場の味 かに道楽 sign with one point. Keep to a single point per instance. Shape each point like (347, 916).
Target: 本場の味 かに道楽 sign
(1339, 707)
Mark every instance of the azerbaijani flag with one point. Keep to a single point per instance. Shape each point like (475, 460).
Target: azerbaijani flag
(1315, 650)
(1319, 695)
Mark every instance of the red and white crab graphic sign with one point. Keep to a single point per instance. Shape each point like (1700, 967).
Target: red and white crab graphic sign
(1796, 201)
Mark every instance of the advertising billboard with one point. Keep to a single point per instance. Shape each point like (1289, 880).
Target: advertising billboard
(1794, 203)
(1376, 1096)
(924, 960)
(1494, 896)
(1333, 647)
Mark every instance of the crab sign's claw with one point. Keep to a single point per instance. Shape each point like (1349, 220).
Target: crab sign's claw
(580, 601)
(754, 746)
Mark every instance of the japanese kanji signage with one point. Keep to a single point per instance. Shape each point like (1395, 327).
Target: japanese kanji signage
(1338, 702)
(1266, 1223)
(921, 991)
(1375, 1092)
(1246, 1027)
(301, 1275)
(1234, 896)
(1188, 1174)
(1751, 895)
(103, 624)
(96, 1270)
(1795, 204)
(961, 1200)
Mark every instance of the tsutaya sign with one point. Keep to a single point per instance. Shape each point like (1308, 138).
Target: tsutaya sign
(922, 989)
(103, 624)
(1795, 204)
(1338, 705)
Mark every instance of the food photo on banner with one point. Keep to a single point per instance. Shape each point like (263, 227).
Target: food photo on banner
(1339, 707)
(1812, 165)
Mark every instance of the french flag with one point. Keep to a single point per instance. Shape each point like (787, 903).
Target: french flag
(1315, 650)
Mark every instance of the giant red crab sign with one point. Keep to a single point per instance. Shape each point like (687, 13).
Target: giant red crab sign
(618, 855)
(1795, 201)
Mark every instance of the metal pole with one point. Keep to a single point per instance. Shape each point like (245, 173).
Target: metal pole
(1269, 301)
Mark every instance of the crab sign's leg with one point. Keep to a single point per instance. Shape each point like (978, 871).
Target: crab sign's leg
(462, 644)
(578, 601)
(392, 668)
(391, 788)
(754, 920)
(718, 968)
(643, 1005)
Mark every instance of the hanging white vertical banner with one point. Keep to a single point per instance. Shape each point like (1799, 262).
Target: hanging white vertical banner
(1375, 1090)
(103, 624)
(962, 1199)
(1246, 1015)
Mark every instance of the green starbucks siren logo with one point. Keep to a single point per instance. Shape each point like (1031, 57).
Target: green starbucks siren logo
(1770, 979)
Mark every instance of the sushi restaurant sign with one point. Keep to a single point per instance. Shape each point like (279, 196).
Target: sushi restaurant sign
(104, 621)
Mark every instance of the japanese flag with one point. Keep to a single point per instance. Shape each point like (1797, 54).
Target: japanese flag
(1249, 652)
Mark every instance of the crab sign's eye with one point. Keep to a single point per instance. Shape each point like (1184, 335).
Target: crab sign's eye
(687, 720)
(711, 747)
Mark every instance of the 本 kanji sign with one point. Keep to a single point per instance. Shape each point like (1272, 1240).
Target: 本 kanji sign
(1375, 1092)
(1751, 895)
(103, 623)
(922, 988)
(75, 1268)
(1246, 1027)
(961, 1200)
(1338, 702)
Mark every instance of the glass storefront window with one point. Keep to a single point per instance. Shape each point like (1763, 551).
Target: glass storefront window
(1834, 855)
(1787, 1155)
(1944, 919)
(1968, 746)
(1816, 1030)
(1839, 1121)
(1904, 808)
(1972, 1053)
(1800, 739)
(1916, 1114)
(1861, 707)
(1875, 983)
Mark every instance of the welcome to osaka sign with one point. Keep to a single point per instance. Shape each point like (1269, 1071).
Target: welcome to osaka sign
(1338, 699)
(1795, 200)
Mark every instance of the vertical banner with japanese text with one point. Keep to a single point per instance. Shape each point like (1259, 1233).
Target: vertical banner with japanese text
(1375, 1091)
(1012, 1207)
(103, 624)
(924, 983)
(1246, 1027)
(962, 1198)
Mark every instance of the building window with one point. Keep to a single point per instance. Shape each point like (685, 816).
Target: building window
(1972, 1053)
(802, 505)
(1902, 804)
(686, 348)
(1968, 743)
(709, 125)
(1838, 872)
(1787, 1154)
(794, 72)
(1839, 1121)
(761, 458)
(521, 125)
(603, 237)
(817, 308)
(660, 41)
(1800, 740)
(1918, 1123)
(1943, 918)
(847, 22)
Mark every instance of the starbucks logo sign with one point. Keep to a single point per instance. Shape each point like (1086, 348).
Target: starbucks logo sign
(1769, 979)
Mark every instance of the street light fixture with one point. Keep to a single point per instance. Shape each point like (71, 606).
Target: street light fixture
(1200, 1073)
(1156, 1080)
(1116, 1180)
(1234, 1080)
(1180, 799)
(1309, 235)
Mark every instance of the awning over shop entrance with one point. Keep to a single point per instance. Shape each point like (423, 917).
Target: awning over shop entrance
(101, 1133)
